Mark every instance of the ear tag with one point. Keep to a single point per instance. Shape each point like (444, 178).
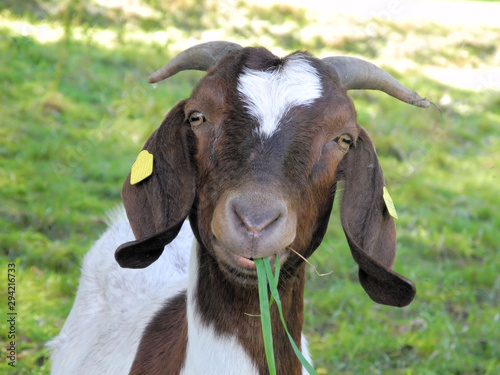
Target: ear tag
(142, 167)
(390, 204)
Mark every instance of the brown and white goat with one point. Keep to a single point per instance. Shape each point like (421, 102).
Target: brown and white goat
(252, 158)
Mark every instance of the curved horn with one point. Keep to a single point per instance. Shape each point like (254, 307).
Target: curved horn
(199, 57)
(357, 74)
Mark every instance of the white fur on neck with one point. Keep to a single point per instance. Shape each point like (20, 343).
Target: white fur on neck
(207, 352)
(269, 95)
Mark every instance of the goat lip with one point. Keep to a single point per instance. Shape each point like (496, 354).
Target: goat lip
(241, 268)
(244, 262)
(247, 264)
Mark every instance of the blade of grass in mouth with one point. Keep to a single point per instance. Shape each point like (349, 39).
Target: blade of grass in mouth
(265, 316)
(265, 276)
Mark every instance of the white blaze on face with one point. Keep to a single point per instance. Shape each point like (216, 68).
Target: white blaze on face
(268, 96)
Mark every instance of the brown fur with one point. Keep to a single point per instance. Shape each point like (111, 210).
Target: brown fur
(199, 169)
(163, 347)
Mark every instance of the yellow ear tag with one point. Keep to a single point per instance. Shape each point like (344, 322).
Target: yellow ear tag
(390, 204)
(142, 167)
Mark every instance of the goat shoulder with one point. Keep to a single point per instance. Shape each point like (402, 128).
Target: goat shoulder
(113, 305)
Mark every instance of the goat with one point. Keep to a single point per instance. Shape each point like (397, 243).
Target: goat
(253, 159)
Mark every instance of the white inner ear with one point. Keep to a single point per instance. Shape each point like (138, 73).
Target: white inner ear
(268, 96)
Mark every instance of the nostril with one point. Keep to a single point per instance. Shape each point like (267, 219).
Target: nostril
(258, 224)
(256, 219)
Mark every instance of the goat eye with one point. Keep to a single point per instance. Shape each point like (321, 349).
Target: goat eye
(344, 141)
(196, 119)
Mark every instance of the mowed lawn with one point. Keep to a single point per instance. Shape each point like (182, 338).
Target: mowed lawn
(74, 113)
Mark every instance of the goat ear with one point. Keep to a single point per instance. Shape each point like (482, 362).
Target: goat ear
(158, 205)
(369, 228)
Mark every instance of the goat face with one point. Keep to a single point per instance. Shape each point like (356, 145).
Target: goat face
(270, 134)
(254, 156)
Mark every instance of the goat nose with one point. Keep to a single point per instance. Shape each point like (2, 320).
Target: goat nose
(257, 215)
(254, 224)
(256, 221)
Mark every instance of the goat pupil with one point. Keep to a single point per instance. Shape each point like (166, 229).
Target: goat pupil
(197, 119)
(346, 140)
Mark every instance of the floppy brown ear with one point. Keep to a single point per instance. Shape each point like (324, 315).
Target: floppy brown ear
(158, 205)
(369, 228)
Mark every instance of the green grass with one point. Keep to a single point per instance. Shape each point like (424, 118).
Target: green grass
(74, 114)
(269, 279)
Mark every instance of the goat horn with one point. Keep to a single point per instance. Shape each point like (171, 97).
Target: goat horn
(200, 57)
(357, 74)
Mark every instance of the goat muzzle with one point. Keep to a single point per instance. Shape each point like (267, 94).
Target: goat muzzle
(250, 224)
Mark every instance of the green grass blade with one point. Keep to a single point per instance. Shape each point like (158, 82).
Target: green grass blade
(274, 292)
(275, 278)
(265, 316)
(277, 271)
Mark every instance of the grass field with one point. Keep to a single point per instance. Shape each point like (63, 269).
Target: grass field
(75, 109)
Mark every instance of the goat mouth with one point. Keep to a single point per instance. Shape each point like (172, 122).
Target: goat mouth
(242, 270)
(245, 263)
(248, 263)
